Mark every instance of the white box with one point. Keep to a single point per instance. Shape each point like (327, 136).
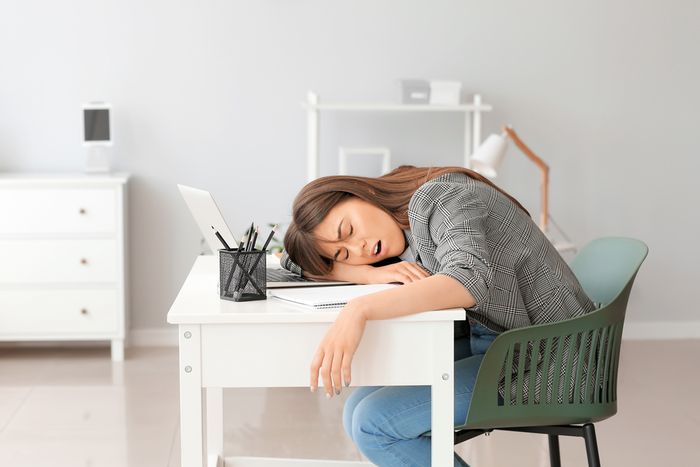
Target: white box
(445, 92)
(415, 91)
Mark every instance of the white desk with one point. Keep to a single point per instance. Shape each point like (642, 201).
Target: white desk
(268, 343)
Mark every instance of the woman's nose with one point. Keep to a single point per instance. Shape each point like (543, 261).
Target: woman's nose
(357, 247)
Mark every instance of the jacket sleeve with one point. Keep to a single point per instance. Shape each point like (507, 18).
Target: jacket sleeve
(456, 220)
(288, 264)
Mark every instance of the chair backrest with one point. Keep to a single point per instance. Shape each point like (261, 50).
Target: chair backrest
(564, 372)
(606, 265)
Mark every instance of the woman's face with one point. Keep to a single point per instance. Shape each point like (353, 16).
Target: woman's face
(357, 232)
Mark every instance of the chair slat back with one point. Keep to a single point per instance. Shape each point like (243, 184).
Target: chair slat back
(564, 372)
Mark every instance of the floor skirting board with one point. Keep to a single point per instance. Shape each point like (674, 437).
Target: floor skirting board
(153, 337)
(661, 330)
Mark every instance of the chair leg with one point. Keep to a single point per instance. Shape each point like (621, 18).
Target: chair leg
(554, 455)
(591, 445)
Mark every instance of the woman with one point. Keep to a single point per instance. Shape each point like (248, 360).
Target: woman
(463, 242)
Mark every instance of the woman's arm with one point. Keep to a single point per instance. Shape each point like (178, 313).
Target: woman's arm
(402, 271)
(436, 292)
(358, 274)
(335, 353)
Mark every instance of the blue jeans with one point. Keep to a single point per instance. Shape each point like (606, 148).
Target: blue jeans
(385, 422)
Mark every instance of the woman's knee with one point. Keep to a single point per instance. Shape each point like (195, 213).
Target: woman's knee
(362, 426)
(393, 414)
(358, 394)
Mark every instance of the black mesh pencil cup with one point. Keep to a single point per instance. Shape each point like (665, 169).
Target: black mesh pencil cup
(242, 275)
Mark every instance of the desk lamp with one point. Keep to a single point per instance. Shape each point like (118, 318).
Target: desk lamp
(489, 155)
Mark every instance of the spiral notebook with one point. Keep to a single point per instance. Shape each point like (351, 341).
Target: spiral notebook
(323, 298)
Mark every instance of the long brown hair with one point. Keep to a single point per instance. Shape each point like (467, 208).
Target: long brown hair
(390, 192)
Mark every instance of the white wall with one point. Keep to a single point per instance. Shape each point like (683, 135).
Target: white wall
(208, 93)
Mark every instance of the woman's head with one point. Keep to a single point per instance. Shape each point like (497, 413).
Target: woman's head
(365, 211)
(355, 231)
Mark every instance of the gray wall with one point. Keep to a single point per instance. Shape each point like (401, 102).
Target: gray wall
(208, 93)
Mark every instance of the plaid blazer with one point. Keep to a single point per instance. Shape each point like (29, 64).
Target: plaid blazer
(467, 230)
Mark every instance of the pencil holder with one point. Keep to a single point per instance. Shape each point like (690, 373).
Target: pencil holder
(242, 275)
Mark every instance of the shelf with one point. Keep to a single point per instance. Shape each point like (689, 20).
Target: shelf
(471, 110)
(399, 107)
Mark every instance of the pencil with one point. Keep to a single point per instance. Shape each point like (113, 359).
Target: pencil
(269, 237)
(255, 239)
(257, 260)
(233, 268)
(221, 239)
(250, 235)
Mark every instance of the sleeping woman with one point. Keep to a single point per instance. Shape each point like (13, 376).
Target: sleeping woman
(453, 239)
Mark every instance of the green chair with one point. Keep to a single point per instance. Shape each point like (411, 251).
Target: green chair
(567, 378)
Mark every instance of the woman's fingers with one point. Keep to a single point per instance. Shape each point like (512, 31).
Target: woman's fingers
(315, 367)
(421, 270)
(335, 371)
(403, 277)
(346, 366)
(334, 368)
(413, 271)
(326, 373)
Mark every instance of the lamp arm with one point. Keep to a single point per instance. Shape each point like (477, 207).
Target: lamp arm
(544, 168)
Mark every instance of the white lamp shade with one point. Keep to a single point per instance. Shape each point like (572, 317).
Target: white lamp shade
(489, 155)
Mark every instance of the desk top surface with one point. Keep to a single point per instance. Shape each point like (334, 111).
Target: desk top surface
(198, 302)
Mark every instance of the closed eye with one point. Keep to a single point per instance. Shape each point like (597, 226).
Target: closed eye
(337, 253)
(347, 253)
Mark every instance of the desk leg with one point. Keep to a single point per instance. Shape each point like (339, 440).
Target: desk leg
(191, 401)
(442, 430)
(215, 426)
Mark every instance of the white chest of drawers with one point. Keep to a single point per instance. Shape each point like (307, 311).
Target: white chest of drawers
(62, 258)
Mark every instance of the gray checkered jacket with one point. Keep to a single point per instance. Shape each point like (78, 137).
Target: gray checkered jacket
(465, 229)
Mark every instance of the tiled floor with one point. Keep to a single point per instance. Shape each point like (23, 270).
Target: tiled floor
(73, 407)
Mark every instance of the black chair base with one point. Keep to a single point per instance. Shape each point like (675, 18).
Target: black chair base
(587, 432)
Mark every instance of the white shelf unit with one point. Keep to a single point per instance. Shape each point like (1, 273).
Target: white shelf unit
(313, 106)
(63, 271)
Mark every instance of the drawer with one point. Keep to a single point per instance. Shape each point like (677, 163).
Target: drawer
(58, 261)
(57, 210)
(35, 312)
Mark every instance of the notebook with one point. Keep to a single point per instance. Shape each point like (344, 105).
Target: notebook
(323, 298)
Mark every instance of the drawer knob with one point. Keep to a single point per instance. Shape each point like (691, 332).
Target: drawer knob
(82, 211)
(83, 311)
(83, 261)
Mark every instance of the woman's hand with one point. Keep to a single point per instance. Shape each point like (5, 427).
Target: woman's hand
(334, 354)
(404, 272)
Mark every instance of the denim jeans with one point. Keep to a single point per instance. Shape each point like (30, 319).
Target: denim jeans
(385, 422)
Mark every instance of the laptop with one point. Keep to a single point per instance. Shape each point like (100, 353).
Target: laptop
(209, 219)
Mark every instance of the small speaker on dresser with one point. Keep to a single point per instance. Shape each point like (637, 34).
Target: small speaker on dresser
(97, 136)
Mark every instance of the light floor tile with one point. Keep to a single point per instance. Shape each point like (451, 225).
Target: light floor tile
(11, 399)
(77, 408)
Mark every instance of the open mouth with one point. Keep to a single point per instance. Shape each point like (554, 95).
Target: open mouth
(377, 248)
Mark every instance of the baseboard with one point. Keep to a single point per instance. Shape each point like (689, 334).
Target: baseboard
(153, 337)
(661, 330)
(645, 330)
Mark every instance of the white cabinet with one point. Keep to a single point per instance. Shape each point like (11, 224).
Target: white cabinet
(62, 258)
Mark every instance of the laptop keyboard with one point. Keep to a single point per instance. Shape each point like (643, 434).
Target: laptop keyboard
(282, 275)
